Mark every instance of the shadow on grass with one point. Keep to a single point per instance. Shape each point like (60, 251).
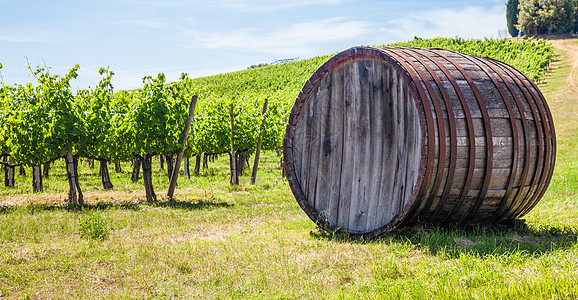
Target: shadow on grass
(187, 205)
(135, 206)
(451, 242)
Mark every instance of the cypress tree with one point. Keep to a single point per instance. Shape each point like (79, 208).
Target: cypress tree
(512, 16)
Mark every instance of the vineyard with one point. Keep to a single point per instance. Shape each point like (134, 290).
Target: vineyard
(46, 121)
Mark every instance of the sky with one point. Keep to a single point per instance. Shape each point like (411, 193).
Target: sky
(135, 38)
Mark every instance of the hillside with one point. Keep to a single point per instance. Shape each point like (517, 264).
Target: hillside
(217, 241)
(560, 203)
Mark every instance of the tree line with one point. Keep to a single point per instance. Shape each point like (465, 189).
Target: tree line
(531, 17)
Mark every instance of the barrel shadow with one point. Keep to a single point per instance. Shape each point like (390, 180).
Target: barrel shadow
(451, 242)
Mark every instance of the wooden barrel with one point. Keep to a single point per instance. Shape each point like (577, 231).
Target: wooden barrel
(386, 137)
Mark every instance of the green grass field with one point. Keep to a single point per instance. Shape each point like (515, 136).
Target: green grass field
(254, 242)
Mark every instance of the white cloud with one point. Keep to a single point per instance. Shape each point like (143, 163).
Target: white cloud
(469, 22)
(152, 24)
(16, 39)
(301, 39)
(236, 5)
(28, 36)
(269, 5)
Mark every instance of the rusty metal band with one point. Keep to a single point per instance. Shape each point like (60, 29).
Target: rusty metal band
(506, 211)
(487, 132)
(523, 203)
(481, 62)
(552, 157)
(441, 127)
(428, 115)
(543, 146)
(516, 138)
(471, 137)
(546, 169)
(543, 165)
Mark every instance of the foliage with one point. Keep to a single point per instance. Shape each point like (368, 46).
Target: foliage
(97, 140)
(557, 16)
(42, 122)
(512, 16)
(154, 119)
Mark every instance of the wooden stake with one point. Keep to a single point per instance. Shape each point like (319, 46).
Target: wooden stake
(259, 141)
(36, 179)
(186, 167)
(234, 175)
(197, 164)
(177, 165)
(72, 197)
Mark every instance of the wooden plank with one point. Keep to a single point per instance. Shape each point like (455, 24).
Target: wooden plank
(356, 140)
(430, 183)
(400, 150)
(379, 73)
(363, 171)
(390, 135)
(300, 143)
(317, 100)
(323, 176)
(349, 148)
(309, 110)
(410, 116)
(336, 141)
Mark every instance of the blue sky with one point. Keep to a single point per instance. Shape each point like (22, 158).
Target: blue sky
(135, 38)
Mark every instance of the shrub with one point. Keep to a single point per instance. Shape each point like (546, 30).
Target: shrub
(94, 226)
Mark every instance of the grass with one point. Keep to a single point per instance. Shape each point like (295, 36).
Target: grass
(254, 242)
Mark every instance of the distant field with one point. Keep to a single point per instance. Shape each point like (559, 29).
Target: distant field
(253, 241)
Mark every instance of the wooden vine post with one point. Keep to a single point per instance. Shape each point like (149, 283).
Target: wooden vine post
(136, 162)
(259, 141)
(8, 172)
(234, 175)
(75, 195)
(197, 164)
(177, 165)
(186, 167)
(37, 179)
(45, 171)
(104, 175)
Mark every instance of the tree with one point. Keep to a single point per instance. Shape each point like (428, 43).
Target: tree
(552, 16)
(528, 16)
(558, 15)
(575, 30)
(512, 17)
